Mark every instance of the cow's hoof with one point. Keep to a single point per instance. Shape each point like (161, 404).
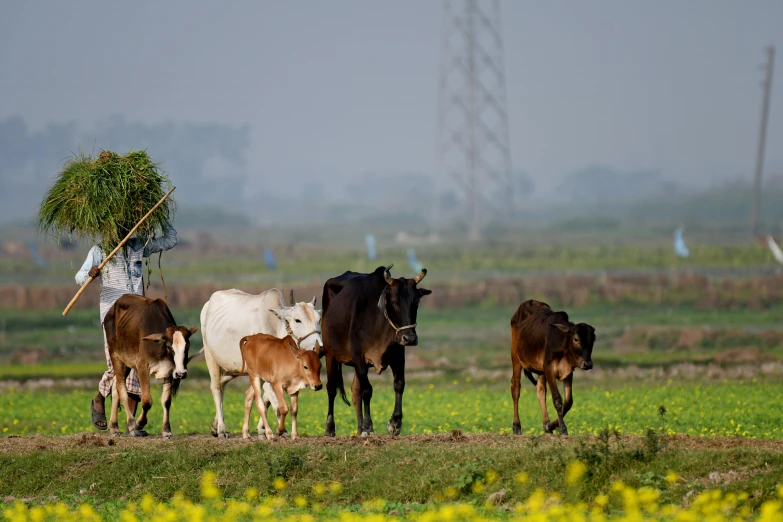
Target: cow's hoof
(394, 429)
(546, 429)
(167, 436)
(330, 433)
(138, 433)
(223, 435)
(517, 429)
(283, 435)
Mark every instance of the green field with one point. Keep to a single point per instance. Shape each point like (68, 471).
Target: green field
(726, 409)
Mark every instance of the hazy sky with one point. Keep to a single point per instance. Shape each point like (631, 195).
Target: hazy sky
(342, 87)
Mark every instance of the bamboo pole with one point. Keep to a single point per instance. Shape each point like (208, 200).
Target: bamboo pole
(106, 260)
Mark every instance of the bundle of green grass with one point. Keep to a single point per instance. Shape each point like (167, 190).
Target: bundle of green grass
(103, 198)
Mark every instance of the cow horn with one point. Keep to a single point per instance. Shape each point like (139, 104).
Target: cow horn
(387, 274)
(291, 300)
(420, 276)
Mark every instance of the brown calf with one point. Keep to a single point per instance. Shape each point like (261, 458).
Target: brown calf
(287, 368)
(546, 343)
(141, 334)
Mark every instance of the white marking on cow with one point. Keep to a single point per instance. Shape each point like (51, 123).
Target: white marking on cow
(178, 345)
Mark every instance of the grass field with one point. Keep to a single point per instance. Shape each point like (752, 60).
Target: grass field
(299, 263)
(726, 409)
(426, 478)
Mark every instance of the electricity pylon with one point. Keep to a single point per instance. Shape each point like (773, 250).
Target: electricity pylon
(472, 152)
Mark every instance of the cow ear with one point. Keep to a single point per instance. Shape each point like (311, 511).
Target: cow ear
(563, 328)
(320, 350)
(294, 350)
(193, 329)
(313, 301)
(423, 292)
(155, 338)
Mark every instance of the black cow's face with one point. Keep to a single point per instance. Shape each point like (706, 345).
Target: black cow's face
(403, 306)
(580, 339)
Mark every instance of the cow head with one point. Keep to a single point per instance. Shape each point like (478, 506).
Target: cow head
(176, 340)
(309, 366)
(579, 344)
(302, 322)
(400, 302)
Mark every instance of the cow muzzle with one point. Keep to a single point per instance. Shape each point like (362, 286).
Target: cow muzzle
(587, 365)
(181, 374)
(409, 339)
(316, 387)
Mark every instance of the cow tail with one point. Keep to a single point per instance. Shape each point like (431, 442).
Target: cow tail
(338, 377)
(242, 343)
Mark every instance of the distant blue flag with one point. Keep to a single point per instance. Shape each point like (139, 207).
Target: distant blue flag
(679, 244)
(369, 240)
(415, 265)
(269, 257)
(34, 252)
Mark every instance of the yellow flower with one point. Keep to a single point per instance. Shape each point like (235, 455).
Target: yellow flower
(451, 492)
(319, 489)
(522, 478)
(492, 477)
(601, 500)
(251, 493)
(575, 471)
(672, 477)
(208, 488)
(335, 487)
(279, 483)
(300, 501)
(477, 487)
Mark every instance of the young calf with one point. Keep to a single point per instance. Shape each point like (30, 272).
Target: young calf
(283, 365)
(141, 334)
(546, 343)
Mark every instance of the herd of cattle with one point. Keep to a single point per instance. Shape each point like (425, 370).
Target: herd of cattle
(366, 322)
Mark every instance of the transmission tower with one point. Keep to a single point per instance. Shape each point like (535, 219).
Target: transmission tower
(756, 204)
(472, 151)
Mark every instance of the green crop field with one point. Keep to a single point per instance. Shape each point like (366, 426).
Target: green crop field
(726, 409)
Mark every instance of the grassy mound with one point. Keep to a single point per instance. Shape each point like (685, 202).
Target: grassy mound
(105, 197)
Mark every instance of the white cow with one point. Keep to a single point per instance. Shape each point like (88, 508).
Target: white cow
(230, 315)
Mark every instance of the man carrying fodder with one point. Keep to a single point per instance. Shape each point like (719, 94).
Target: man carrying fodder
(105, 198)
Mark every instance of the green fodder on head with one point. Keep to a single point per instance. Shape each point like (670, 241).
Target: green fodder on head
(105, 197)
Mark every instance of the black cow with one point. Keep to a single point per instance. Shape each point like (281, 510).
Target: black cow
(368, 320)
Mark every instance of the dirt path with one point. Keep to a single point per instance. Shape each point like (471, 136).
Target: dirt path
(33, 443)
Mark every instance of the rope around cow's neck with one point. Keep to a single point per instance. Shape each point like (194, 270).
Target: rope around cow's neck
(396, 329)
(297, 340)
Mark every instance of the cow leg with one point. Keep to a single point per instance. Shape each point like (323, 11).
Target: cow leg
(146, 402)
(569, 399)
(256, 381)
(363, 388)
(397, 365)
(332, 367)
(114, 428)
(541, 393)
(270, 398)
(249, 395)
(282, 408)
(165, 401)
(216, 385)
(120, 374)
(516, 385)
(557, 399)
(294, 411)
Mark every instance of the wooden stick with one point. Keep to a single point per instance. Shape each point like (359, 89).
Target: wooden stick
(106, 260)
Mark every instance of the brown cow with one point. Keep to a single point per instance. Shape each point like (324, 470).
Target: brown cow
(546, 343)
(287, 368)
(141, 334)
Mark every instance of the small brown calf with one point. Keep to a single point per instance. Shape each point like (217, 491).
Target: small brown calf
(283, 365)
(547, 344)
